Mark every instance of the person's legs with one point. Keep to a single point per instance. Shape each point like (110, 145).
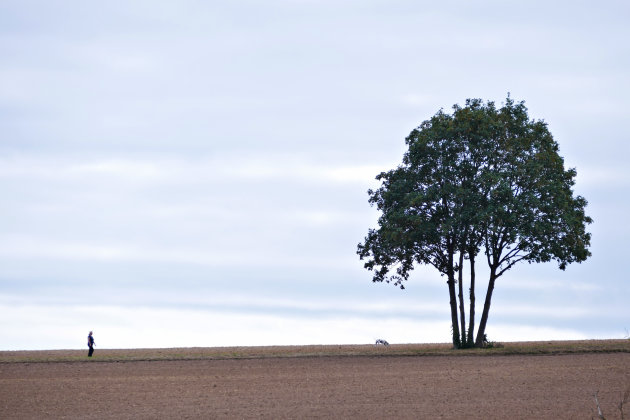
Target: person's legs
(91, 351)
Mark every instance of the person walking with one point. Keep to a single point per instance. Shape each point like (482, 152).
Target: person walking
(91, 344)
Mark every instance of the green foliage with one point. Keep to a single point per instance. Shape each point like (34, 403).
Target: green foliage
(480, 179)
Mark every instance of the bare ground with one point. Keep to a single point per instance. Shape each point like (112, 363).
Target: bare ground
(303, 382)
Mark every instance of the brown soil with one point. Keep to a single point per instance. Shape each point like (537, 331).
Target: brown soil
(549, 386)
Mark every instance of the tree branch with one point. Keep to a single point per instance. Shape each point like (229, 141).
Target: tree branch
(512, 253)
(510, 265)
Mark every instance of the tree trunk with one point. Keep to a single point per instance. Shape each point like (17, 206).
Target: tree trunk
(471, 326)
(486, 309)
(462, 312)
(453, 299)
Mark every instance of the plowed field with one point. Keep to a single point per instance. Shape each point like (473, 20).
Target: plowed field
(327, 382)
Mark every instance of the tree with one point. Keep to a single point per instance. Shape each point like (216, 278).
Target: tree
(480, 180)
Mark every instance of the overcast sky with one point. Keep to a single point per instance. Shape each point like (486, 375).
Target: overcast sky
(194, 173)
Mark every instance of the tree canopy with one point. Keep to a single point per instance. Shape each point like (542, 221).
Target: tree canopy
(480, 180)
